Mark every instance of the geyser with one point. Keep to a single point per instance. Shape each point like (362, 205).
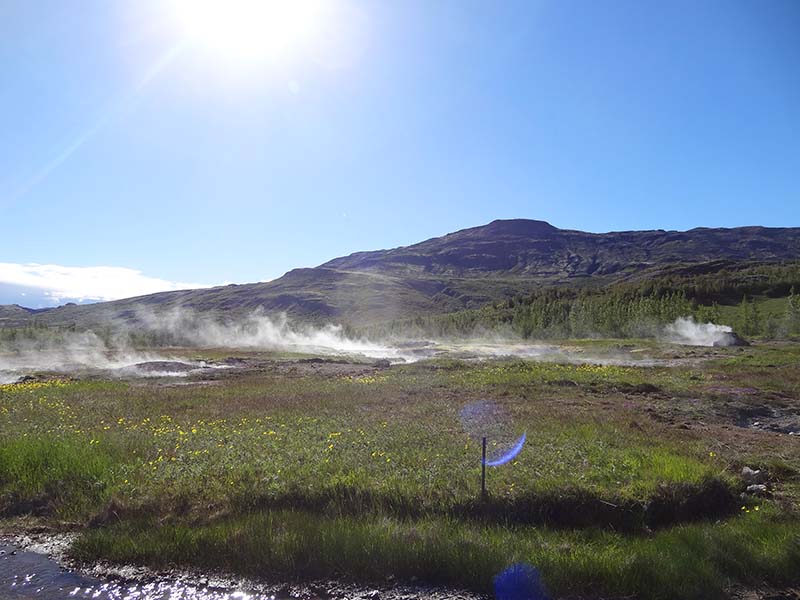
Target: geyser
(686, 331)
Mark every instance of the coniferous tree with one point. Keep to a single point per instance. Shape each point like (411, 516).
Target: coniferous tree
(746, 316)
(793, 312)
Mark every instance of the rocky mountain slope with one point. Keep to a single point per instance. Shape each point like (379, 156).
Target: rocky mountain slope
(460, 270)
(525, 248)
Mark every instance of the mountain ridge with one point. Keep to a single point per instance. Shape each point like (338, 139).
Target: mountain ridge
(462, 269)
(578, 251)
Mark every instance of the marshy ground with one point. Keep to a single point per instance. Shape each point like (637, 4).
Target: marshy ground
(292, 468)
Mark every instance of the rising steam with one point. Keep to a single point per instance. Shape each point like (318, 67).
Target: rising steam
(120, 354)
(65, 352)
(71, 351)
(685, 330)
(264, 332)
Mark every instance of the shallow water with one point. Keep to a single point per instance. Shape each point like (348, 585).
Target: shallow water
(26, 575)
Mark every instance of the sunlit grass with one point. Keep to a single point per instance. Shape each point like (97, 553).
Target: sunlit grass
(691, 561)
(360, 456)
(64, 477)
(372, 473)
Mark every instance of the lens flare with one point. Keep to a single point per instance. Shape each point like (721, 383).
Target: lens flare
(519, 582)
(512, 453)
(486, 419)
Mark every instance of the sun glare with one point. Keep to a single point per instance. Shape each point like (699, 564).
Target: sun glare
(246, 30)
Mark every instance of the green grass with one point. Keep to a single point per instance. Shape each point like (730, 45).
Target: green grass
(691, 561)
(767, 308)
(361, 451)
(368, 472)
(64, 477)
(517, 375)
(774, 368)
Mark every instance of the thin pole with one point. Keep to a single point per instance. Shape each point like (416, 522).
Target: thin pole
(483, 468)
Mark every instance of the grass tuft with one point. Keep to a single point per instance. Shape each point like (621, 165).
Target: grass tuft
(61, 477)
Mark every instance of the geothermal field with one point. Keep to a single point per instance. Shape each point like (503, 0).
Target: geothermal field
(412, 300)
(274, 461)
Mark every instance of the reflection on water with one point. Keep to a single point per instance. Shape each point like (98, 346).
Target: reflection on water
(26, 575)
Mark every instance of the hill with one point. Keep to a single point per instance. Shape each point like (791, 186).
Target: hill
(536, 249)
(461, 270)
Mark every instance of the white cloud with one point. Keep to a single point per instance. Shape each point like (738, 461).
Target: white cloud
(60, 284)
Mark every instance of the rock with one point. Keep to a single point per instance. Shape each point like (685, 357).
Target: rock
(646, 388)
(382, 364)
(731, 339)
(753, 476)
(759, 489)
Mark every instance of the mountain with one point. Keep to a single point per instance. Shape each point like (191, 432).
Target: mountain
(525, 248)
(13, 313)
(460, 270)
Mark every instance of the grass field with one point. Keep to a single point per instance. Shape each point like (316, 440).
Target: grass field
(628, 484)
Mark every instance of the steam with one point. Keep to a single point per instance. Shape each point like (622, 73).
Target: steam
(690, 333)
(7, 378)
(120, 354)
(263, 332)
(60, 351)
(479, 349)
(65, 352)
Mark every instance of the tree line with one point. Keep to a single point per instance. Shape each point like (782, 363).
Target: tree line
(729, 296)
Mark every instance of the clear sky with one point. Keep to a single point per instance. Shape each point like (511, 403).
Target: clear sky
(178, 148)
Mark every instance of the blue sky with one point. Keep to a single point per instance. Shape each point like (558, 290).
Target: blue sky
(130, 144)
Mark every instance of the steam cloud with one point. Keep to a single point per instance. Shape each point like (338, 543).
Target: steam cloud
(690, 333)
(63, 351)
(70, 351)
(67, 352)
(260, 331)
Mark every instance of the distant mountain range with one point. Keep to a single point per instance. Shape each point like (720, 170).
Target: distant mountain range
(465, 269)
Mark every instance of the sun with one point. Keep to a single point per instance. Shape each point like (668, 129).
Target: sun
(246, 30)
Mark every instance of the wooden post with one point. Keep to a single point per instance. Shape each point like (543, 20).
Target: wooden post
(483, 468)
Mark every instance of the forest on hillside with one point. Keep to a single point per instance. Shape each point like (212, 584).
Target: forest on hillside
(761, 301)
